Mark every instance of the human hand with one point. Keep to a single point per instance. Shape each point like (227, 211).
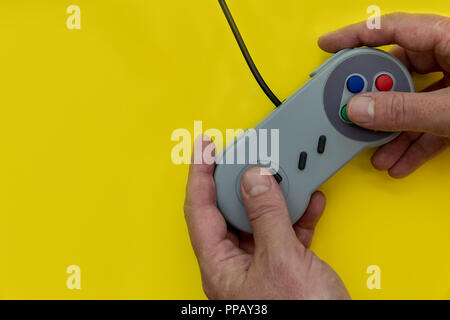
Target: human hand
(274, 263)
(423, 46)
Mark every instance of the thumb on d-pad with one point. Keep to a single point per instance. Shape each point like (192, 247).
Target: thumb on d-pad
(266, 210)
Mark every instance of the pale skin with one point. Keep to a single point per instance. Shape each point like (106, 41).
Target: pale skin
(276, 262)
(422, 44)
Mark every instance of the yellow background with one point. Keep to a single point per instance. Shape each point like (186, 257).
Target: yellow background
(86, 117)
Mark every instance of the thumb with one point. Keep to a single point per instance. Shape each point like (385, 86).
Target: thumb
(267, 211)
(400, 111)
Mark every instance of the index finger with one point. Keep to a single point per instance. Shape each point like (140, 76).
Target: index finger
(418, 32)
(207, 227)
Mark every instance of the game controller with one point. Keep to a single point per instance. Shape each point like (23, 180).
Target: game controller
(316, 137)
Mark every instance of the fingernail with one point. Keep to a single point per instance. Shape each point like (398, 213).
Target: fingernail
(254, 183)
(361, 109)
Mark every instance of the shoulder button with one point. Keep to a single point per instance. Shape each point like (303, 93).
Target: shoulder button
(333, 57)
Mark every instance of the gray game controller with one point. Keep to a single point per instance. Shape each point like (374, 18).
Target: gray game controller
(315, 136)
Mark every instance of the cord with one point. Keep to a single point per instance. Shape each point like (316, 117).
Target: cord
(247, 56)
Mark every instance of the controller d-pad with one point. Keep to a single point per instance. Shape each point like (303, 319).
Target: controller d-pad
(278, 177)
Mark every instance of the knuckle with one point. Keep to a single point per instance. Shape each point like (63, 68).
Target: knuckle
(442, 29)
(443, 25)
(444, 46)
(397, 15)
(265, 208)
(395, 110)
(420, 148)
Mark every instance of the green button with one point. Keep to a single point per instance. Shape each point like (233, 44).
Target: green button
(344, 113)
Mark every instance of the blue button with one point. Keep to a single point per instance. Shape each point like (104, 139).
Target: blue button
(355, 84)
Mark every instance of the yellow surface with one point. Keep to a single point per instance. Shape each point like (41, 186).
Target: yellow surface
(85, 123)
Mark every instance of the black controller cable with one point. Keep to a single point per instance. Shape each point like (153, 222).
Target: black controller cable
(247, 56)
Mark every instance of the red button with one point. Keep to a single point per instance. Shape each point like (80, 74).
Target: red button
(384, 83)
